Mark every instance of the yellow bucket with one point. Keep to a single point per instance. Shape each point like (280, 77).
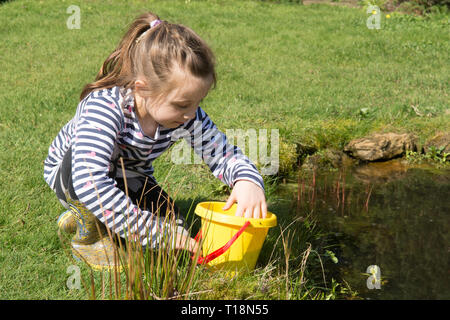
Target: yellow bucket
(229, 242)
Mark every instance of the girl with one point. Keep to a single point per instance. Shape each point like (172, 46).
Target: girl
(145, 97)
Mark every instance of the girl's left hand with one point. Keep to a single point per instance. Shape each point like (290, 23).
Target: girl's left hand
(250, 198)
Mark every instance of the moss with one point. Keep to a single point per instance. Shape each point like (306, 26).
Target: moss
(288, 157)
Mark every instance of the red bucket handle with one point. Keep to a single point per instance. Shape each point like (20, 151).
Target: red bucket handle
(222, 250)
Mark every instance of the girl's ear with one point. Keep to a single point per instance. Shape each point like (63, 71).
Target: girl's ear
(139, 84)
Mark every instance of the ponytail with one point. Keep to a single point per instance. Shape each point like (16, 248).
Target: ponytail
(150, 52)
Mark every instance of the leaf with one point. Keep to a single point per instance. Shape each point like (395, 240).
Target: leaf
(332, 256)
(363, 111)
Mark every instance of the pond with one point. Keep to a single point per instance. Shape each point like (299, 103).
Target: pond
(388, 214)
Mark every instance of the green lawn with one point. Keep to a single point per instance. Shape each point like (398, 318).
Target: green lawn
(304, 70)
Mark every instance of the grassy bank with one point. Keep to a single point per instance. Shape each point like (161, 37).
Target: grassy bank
(307, 71)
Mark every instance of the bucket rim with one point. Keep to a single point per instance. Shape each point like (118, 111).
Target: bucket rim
(205, 211)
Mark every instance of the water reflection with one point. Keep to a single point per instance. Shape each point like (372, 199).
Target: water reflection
(384, 214)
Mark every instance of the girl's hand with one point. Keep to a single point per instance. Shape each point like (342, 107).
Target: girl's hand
(250, 198)
(187, 243)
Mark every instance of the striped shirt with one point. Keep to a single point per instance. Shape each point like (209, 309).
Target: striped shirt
(104, 128)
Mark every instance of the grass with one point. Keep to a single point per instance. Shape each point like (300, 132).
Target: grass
(305, 70)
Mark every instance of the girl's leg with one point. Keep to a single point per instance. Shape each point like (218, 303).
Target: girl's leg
(63, 187)
(63, 180)
(145, 193)
(148, 195)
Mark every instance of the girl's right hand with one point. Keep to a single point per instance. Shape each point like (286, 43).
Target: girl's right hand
(187, 243)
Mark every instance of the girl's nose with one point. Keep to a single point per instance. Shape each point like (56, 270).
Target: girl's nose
(189, 115)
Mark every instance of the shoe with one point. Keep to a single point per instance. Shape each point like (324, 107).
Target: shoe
(100, 255)
(66, 222)
(91, 243)
(88, 228)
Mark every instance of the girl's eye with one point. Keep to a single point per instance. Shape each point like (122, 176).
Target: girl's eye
(183, 106)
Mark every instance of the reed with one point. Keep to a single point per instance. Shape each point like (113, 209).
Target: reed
(333, 191)
(143, 273)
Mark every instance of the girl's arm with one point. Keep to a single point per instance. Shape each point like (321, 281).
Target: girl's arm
(98, 125)
(229, 164)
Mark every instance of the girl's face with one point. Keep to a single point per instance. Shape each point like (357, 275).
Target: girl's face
(179, 105)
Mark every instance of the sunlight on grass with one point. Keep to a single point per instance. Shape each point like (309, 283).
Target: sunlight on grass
(314, 72)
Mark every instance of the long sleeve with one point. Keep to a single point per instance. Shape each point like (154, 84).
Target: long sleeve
(226, 161)
(95, 136)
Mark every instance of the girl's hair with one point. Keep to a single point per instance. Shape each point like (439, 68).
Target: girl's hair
(154, 57)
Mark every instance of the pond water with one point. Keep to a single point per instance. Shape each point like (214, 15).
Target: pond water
(388, 214)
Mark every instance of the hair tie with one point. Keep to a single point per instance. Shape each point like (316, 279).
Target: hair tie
(155, 23)
(152, 24)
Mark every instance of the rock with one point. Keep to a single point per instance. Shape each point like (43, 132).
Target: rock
(441, 139)
(381, 146)
(304, 150)
(312, 162)
(336, 158)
